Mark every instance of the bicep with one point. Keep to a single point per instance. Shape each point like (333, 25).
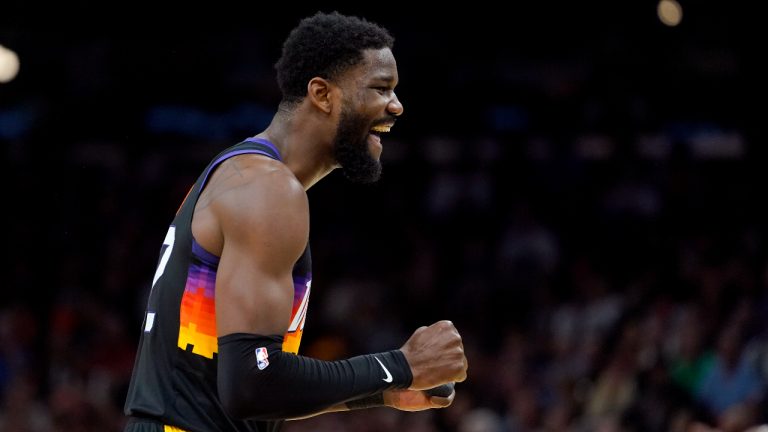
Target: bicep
(251, 298)
(254, 283)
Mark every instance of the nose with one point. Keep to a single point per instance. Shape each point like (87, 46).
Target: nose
(394, 106)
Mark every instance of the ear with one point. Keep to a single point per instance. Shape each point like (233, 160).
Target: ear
(321, 92)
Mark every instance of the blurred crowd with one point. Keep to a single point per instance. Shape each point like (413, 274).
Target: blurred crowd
(610, 290)
(579, 192)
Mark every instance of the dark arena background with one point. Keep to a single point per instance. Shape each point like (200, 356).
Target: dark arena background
(578, 186)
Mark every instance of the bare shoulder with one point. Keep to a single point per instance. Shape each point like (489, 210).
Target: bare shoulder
(251, 196)
(258, 189)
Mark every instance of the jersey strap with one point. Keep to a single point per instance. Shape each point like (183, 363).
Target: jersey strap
(249, 146)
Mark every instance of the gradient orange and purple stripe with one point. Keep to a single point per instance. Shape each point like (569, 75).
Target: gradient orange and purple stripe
(301, 289)
(197, 329)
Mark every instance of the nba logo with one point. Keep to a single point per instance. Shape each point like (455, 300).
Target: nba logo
(262, 358)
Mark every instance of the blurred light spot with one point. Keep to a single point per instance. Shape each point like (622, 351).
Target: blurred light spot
(670, 12)
(9, 65)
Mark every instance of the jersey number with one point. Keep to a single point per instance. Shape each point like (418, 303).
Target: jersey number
(165, 253)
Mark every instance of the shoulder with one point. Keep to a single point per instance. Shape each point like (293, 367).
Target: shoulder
(257, 191)
(264, 177)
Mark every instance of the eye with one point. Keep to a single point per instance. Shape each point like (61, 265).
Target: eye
(382, 89)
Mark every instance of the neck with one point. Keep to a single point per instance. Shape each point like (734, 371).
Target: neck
(299, 139)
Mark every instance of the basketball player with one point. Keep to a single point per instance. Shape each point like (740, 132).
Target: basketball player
(229, 297)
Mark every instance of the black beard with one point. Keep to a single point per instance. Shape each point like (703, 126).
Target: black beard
(350, 149)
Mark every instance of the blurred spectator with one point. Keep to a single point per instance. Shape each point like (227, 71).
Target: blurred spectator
(731, 388)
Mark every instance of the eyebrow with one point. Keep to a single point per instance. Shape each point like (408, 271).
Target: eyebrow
(384, 77)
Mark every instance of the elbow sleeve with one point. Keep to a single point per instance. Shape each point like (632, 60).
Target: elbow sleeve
(256, 379)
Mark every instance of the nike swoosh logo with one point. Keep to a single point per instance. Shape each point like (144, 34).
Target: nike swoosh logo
(389, 375)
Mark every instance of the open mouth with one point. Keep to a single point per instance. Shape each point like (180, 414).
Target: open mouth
(380, 129)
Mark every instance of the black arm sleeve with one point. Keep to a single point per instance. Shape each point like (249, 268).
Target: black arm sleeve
(256, 379)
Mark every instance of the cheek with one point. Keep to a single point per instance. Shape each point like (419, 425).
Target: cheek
(372, 106)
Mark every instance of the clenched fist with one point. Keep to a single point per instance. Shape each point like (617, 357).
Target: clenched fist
(436, 356)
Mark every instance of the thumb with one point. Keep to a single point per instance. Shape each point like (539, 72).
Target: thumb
(442, 402)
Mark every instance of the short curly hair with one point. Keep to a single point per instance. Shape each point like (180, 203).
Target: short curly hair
(325, 45)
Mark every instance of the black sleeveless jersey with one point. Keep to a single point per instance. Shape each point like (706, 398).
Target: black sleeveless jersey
(174, 377)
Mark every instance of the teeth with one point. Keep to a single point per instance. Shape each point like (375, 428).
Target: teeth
(381, 128)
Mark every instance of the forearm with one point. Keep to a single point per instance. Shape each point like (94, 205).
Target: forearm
(283, 385)
(373, 401)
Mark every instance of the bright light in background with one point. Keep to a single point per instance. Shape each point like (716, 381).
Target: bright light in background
(670, 12)
(9, 65)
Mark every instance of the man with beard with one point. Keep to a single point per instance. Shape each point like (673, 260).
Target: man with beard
(229, 297)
